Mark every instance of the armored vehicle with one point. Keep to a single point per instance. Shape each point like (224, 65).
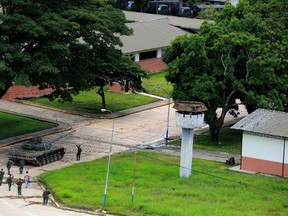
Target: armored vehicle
(37, 152)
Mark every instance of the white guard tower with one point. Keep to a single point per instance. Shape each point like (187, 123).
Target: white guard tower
(189, 115)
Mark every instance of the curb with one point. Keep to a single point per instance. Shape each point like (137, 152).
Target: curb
(56, 204)
(99, 116)
(141, 108)
(29, 103)
(26, 137)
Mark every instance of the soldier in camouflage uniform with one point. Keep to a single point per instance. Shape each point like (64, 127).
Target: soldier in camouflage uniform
(19, 186)
(21, 166)
(9, 181)
(9, 165)
(1, 176)
(46, 194)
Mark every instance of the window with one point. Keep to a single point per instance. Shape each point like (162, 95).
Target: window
(148, 55)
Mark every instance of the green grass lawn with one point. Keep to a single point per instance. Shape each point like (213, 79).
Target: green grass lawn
(230, 141)
(211, 190)
(14, 125)
(158, 85)
(90, 102)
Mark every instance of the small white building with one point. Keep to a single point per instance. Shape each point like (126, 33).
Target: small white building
(265, 142)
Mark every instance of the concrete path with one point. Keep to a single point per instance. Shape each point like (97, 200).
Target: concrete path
(197, 153)
(144, 126)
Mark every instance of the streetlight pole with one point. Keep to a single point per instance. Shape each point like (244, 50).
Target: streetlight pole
(167, 128)
(168, 114)
(109, 157)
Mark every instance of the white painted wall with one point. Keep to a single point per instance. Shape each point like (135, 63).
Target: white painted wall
(286, 152)
(264, 148)
(189, 120)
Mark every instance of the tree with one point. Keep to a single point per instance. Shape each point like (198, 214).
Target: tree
(242, 55)
(67, 45)
(206, 13)
(140, 5)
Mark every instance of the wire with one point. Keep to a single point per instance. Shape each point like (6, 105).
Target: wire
(219, 177)
(134, 148)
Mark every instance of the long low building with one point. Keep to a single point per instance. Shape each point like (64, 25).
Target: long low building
(152, 34)
(150, 37)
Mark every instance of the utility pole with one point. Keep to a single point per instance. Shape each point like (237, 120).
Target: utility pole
(109, 158)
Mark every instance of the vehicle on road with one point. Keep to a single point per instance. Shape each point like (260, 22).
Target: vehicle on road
(37, 152)
(130, 5)
(185, 12)
(153, 7)
(163, 9)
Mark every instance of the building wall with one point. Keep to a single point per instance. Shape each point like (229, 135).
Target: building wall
(264, 154)
(25, 92)
(152, 65)
(285, 171)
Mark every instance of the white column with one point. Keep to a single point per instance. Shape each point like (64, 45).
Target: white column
(186, 153)
(159, 53)
(137, 57)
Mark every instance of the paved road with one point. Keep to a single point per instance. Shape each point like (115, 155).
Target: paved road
(138, 128)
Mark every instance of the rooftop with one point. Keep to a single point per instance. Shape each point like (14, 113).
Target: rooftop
(150, 35)
(269, 122)
(191, 24)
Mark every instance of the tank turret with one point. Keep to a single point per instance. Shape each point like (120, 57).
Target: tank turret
(36, 144)
(37, 152)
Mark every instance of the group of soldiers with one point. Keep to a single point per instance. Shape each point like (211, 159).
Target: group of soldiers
(11, 176)
(20, 181)
(27, 177)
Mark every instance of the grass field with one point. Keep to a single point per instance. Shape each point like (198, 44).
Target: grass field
(14, 125)
(157, 85)
(230, 141)
(211, 190)
(90, 102)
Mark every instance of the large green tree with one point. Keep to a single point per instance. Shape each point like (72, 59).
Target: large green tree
(242, 55)
(69, 45)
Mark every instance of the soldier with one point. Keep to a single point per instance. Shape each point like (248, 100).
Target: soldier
(9, 165)
(79, 150)
(46, 194)
(19, 186)
(9, 181)
(21, 166)
(1, 176)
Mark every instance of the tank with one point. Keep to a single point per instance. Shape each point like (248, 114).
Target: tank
(37, 152)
